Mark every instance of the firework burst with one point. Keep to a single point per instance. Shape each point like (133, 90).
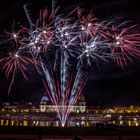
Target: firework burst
(63, 49)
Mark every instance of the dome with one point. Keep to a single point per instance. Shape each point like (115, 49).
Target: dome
(45, 98)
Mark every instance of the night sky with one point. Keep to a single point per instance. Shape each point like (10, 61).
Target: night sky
(108, 84)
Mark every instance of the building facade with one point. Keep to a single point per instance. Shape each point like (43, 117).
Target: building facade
(45, 114)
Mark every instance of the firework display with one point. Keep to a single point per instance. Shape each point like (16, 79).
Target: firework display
(63, 48)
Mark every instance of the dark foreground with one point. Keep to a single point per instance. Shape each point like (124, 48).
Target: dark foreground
(42, 133)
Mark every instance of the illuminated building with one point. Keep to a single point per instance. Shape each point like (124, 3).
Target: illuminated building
(45, 106)
(44, 114)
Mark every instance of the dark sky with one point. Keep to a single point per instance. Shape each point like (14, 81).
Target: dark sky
(108, 84)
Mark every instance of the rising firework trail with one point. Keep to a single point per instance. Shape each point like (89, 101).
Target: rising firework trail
(63, 48)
